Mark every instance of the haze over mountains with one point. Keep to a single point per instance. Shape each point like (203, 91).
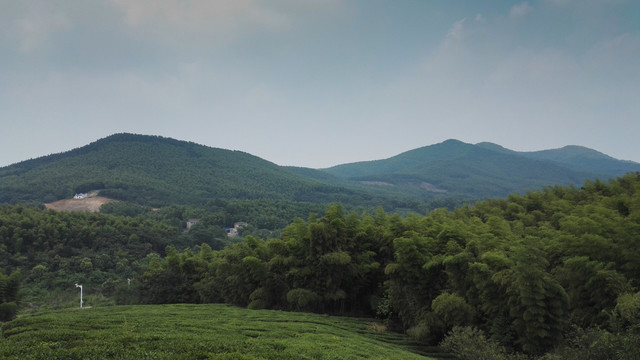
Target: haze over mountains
(157, 171)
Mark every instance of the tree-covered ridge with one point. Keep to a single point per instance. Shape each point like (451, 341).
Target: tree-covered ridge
(526, 270)
(158, 171)
(485, 170)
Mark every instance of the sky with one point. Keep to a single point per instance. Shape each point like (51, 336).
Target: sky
(317, 83)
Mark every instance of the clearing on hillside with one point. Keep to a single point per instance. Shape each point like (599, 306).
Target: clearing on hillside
(90, 203)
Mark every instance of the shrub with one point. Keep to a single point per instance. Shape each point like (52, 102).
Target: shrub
(9, 295)
(597, 344)
(627, 310)
(452, 310)
(302, 299)
(8, 311)
(469, 343)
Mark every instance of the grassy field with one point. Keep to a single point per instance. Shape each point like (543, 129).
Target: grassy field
(196, 332)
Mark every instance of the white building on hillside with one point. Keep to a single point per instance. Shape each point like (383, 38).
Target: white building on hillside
(233, 232)
(190, 223)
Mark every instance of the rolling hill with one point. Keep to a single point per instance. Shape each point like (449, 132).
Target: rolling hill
(483, 170)
(157, 171)
(577, 158)
(187, 331)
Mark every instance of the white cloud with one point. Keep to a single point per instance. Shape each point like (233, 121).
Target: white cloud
(457, 30)
(559, 3)
(181, 20)
(520, 10)
(198, 15)
(40, 21)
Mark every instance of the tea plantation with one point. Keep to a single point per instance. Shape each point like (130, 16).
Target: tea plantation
(197, 332)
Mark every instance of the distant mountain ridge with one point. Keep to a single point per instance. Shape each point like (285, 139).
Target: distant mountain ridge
(486, 169)
(159, 171)
(575, 157)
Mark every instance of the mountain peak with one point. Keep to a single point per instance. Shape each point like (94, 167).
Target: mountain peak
(453, 142)
(485, 169)
(150, 170)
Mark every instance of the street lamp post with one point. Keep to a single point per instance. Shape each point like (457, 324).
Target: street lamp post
(80, 286)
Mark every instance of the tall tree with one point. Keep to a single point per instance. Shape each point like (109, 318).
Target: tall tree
(9, 293)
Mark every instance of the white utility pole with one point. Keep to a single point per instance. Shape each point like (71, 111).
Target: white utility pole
(80, 286)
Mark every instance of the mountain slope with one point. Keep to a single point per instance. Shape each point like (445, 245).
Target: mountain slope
(446, 151)
(156, 171)
(485, 169)
(577, 158)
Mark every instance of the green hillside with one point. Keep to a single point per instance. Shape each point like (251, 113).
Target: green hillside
(196, 332)
(158, 171)
(552, 273)
(483, 170)
(446, 151)
(577, 158)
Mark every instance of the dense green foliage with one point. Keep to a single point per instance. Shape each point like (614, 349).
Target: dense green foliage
(54, 250)
(523, 270)
(261, 215)
(469, 343)
(158, 172)
(552, 273)
(155, 171)
(195, 332)
(9, 295)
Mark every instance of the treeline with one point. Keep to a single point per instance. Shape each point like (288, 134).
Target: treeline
(553, 271)
(53, 250)
(270, 215)
(265, 218)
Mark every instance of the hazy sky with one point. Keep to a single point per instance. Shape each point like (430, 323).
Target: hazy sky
(320, 82)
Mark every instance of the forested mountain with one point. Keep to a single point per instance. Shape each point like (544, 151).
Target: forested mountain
(157, 171)
(483, 170)
(577, 158)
